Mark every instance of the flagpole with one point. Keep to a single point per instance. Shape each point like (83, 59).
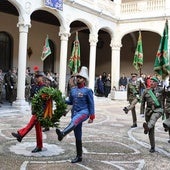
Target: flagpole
(140, 71)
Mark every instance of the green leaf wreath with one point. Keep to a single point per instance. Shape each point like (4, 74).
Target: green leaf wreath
(48, 100)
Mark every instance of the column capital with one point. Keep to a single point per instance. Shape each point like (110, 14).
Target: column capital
(93, 38)
(64, 33)
(23, 24)
(115, 45)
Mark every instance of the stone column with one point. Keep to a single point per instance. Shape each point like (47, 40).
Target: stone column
(22, 54)
(63, 60)
(92, 62)
(115, 63)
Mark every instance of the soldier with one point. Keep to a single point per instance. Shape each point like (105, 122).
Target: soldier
(7, 84)
(13, 88)
(153, 98)
(1, 86)
(132, 96)
(82, 100)
(27, 85)
(166, 123)
(72, 82)
(21, 133)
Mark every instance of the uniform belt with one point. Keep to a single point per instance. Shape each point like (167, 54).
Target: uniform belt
(156, 107)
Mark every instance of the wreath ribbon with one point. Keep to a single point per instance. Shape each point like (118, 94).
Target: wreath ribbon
(48, 109)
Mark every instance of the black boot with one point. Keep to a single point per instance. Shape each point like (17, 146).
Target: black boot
(78, 158)
(63, 133)
(152, 150)
(125, 109)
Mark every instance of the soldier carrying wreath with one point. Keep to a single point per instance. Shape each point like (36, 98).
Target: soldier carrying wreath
(42, 113)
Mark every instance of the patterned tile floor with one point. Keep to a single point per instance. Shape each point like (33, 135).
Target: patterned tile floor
(109, 143)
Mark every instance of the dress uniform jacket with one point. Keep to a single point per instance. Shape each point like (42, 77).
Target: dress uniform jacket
(83, 107)
(82, 101)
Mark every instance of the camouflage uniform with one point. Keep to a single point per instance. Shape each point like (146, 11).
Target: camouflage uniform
(152, 112)
(7, 84)
(27, 87)
(13, 89)
(166, 123)
(132, 92)
(1, 85)
(72, 82)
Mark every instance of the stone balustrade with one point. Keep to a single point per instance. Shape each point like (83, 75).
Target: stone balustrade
(115, 9)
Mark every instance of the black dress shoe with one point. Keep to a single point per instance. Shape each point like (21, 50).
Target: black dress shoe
(17, 136)
(36, 150)
(134, 125)
(77, 159)
(152, 150)
(46, 129)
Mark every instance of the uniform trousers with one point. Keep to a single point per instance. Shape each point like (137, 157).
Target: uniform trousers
(33, 122)
(77, 119)
(151, 120)
(134, 118)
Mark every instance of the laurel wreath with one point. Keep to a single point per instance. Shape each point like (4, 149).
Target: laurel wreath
(49, 106)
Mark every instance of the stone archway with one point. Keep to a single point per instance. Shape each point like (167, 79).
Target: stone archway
(150, 41)
(6, 48)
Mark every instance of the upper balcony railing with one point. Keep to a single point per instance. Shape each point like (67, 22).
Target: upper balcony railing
(140, 6)
(128, 10)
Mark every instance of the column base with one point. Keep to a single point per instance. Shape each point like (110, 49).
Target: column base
(21, 105)
(118, 95)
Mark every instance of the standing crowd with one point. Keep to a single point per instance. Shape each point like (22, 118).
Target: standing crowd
(8, 83)
(103, 85)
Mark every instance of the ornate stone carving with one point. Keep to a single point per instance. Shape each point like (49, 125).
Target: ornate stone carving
(93, 39)
(28, 7)
(115, 45)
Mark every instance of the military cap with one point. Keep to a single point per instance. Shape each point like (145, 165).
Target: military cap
(155, 79)
(134, 74)
(39, 73)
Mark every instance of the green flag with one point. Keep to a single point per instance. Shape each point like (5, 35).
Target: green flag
(74, 61)
(138, 57)
(161, 65)
(46, 49)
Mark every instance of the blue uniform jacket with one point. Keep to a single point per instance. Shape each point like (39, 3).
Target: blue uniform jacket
(82, 100)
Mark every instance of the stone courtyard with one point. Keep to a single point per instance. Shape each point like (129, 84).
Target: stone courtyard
(108, 144)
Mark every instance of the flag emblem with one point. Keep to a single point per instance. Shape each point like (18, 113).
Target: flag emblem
(74, 61)
(161, 65)
(138, 57)
(46, 49)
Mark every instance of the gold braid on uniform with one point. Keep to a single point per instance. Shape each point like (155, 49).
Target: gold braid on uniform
(49, 106)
